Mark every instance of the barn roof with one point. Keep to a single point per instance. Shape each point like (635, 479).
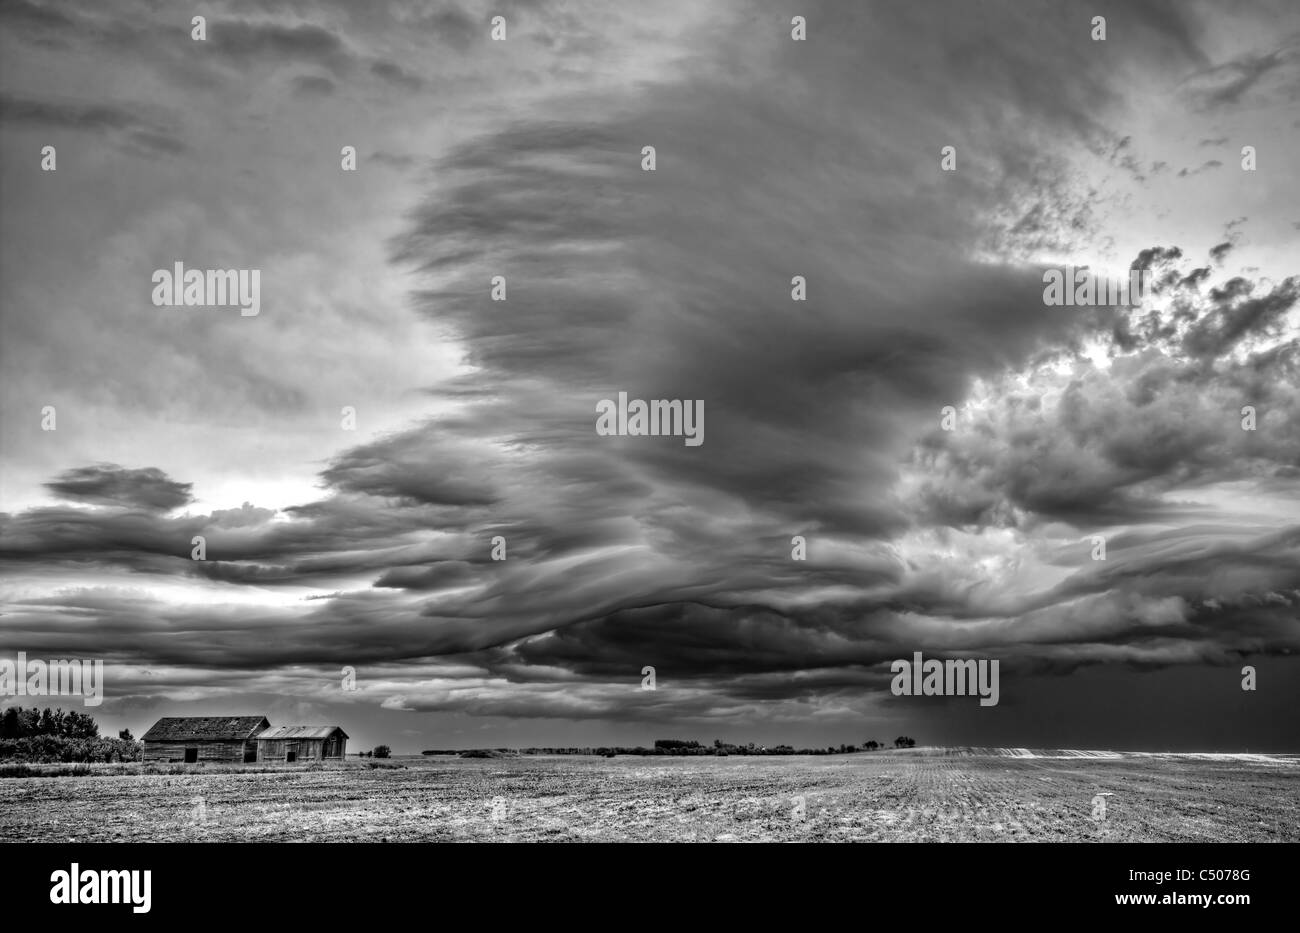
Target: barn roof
(302, 732)
(205, 728)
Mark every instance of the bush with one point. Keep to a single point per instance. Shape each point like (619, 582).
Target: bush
(382, 751)
(51, 748)
(670, 745)
(20, 771)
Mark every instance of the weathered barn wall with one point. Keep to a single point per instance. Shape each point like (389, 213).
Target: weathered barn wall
(208, 750)
(307, 749)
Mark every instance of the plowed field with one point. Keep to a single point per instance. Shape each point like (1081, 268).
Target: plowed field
(922, 795)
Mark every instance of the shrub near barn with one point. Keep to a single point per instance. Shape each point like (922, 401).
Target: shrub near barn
(31, 735)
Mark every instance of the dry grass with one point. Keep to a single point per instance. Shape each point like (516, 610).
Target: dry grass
(924, 795)
(126, 769)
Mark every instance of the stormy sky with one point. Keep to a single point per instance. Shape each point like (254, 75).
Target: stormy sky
(369, 546)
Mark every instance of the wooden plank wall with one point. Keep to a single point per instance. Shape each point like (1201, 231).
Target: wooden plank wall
(275, 749)
(208, 751)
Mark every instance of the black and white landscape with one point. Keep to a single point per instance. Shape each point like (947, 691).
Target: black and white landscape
(741, 420)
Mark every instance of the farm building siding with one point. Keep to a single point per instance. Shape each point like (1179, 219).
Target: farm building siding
(204, 738)
(205, 751)
(240, 739)
(306, 743)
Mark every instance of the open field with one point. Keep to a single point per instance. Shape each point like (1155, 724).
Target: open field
(921, 795)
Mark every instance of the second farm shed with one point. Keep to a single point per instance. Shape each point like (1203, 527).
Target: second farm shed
(302, 743)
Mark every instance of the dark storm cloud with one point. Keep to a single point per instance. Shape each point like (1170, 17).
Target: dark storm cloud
(241, 41)
(399, 468)
(110, 484)
(1123, 157)
(437, 576)
(1164, 23)
(394, 160)
(1220, 250)
(525, 204)
(820, 417)
(543, 197)
(1225, 85)
(107, 119)
(573, 702)
(524, 201)
(1233, 321)
(217, 637)
(1156, 593)
(1155, 256)
(1204, 167)
(165, 43)
(445, 22)
(1234, 288)
(1166, 413)
(1199, 563)
(243, 35)
(313, 86)
(136, 541)
(697, 641)
(33, 19)
(244, 544)
(396, 76)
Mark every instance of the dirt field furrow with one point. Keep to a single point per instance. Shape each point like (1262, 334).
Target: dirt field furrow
(925, 795)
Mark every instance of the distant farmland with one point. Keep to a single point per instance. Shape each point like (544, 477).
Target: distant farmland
(920, 795)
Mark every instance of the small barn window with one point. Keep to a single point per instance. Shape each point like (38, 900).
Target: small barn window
(290, 756)
(191, 756)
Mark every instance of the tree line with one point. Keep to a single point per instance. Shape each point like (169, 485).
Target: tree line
(52, 735)
(681, 747)
(20, 723)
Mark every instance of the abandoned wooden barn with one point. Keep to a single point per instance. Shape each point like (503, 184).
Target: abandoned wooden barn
(204, 738)
(302, 743)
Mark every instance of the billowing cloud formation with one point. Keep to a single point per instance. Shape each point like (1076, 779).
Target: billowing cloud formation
(110, 484)
(137, 131)
(775, 159)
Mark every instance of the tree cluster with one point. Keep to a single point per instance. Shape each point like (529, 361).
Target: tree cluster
(46, 735)
(676, 747)
(20, 723)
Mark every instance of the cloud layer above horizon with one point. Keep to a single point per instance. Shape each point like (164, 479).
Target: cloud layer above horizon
(372, 548)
